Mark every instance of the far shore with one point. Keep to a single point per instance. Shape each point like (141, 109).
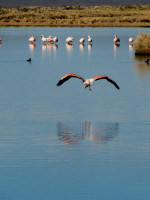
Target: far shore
(77, 16)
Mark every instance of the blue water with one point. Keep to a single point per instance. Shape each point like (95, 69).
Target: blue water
(67, 142)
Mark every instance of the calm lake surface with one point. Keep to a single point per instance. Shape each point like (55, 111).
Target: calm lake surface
(67, 142)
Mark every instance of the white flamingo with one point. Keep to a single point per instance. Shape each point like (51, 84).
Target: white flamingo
(32, 39)
(116, 39)
(89, 39)
(44, 39)
(86, 82)
(131, 40)
(81, 40)
(49, 39)
(69, 39)
(55, 39)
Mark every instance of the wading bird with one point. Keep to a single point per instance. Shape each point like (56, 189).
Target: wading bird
(44, 39)
(147, 61)
(81, 40)
(55, 39)
(131, 40)
(29, 60)
(89, 39)
(69, 39)
(86, 82)
(116, 39)
(49, 39)
(32, 39)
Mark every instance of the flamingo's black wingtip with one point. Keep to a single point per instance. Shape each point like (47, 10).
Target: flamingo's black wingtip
(58, 84)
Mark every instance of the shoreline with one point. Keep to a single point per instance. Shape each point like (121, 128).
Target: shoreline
(77, 16)
(73, 26)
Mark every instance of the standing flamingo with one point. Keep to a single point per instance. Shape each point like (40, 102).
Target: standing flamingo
(44, 39)
(81, 40)
(86, 82)
(131, 40)
(55, 39)
(69, 39)
(89, 39)
(116, 39)
(32, 39)
(49, 39)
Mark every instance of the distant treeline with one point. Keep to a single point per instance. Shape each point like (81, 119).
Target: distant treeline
(96, 16)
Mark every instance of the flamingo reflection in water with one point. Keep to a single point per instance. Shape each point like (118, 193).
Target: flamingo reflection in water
(116, 46)
(47, 48)
(32, 46)
(89, 47)
(98, 133)
(81, 47)
(131, 48)
(69, 48)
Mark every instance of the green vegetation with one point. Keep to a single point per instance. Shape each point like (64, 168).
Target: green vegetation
(142, 44)
(96, 16)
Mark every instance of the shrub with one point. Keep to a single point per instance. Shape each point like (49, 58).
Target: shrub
(142, 44)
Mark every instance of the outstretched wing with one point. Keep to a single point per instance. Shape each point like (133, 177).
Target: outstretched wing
(67, 77)
(107, 78)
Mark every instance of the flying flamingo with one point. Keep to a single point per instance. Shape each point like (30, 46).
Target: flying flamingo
(32, 39)
(81, 40)
(89, 39)
(86, 82)
(69, 39)
(116, 39)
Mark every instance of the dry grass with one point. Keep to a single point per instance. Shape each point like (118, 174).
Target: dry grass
(142, 44)
(96, 16)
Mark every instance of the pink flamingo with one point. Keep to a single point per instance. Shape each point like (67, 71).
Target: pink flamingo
(55, 39)
(32, 39)
(44, 39)
(49, 39)
(81, 40)
(89, 39)
(69, 39)
(116, 39)
(131, 40)
(86, 82)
